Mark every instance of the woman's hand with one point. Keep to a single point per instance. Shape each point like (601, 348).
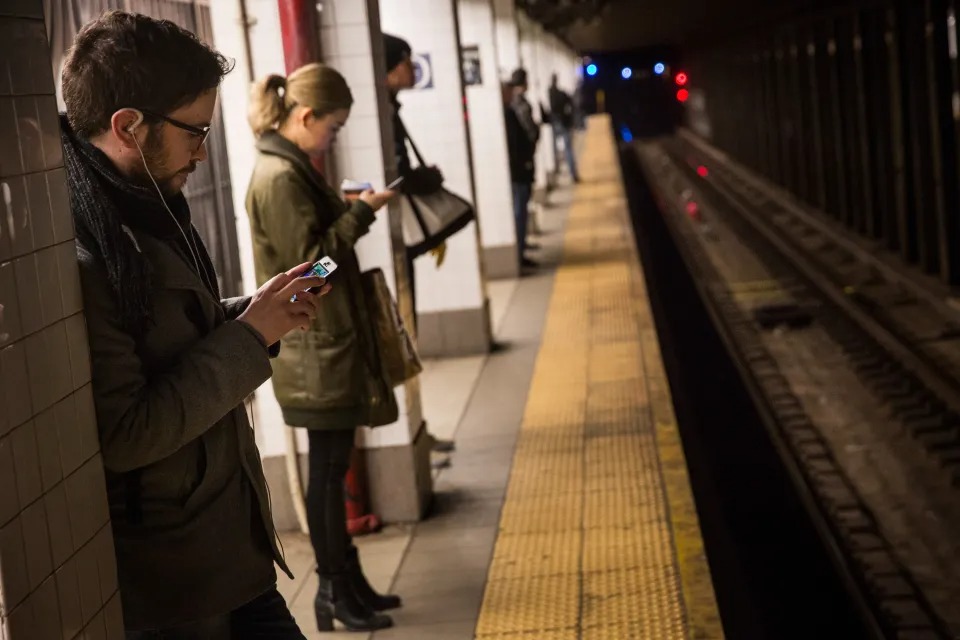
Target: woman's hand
(376, 199)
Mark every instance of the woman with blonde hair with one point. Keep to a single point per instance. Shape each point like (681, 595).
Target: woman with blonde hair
(327, 379)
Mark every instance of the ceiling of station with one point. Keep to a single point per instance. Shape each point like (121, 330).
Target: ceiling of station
(609, 25)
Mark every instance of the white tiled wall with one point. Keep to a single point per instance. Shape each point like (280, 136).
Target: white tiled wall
(507, 37)
(435, 119)
(488, 138)
(58, 577)
(365, 152)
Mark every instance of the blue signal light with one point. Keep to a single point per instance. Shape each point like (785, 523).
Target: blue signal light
(591, 69)
(659, 68)
(626, 73)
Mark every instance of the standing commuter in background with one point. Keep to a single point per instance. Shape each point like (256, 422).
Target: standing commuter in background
(522, 136)
(417, 180)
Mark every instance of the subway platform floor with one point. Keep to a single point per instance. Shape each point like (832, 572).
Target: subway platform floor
(443, 600)
(565, 511)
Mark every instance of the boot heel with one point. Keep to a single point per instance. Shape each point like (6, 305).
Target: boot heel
(324, 621)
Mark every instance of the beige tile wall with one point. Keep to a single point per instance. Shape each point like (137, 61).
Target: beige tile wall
(58, 577)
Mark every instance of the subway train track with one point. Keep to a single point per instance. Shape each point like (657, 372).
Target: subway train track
(846, 316)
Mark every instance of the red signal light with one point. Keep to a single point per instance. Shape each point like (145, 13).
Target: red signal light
(702, 171)
(681, 78)
(683, 95)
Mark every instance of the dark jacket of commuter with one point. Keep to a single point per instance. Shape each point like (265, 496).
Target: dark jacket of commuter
(522, 134)
(520, 149)
(522, 107)
(400, 77)
(561, 106)
(562, 118)
(171, 361)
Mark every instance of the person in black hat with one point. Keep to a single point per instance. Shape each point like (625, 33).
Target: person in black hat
(422, 180)
(419, 180)
(523, 132)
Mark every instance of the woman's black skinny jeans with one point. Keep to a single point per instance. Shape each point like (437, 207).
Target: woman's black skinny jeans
(326, 509)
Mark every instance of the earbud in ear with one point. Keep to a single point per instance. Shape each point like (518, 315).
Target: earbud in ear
(135, 123)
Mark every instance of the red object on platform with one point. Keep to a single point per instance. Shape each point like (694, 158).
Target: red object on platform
(359, 520)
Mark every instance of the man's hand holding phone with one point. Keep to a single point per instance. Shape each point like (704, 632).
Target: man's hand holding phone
(272, 312)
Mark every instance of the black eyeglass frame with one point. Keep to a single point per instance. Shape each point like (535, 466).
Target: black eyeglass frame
(200, 132)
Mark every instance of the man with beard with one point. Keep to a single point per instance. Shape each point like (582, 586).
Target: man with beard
(171, 361)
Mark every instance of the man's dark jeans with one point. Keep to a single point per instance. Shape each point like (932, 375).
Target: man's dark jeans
(265, 618)
(522, 192)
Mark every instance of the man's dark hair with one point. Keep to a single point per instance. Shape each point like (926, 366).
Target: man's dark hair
(130, 60)
(519, 77)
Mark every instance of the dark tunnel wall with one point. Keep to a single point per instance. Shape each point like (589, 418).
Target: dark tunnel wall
(854, 110)
(644, 103)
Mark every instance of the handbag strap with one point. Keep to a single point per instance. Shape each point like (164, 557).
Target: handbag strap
(413, 145)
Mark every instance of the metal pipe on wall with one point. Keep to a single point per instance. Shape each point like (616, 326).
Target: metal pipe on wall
(245, 24)
(300, 32)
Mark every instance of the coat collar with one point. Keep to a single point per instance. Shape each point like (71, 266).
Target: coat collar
(274, 144)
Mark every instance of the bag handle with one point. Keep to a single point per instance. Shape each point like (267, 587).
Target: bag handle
(413, 145)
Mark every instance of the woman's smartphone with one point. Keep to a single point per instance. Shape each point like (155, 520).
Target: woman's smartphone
(396, 183)
(322, 268)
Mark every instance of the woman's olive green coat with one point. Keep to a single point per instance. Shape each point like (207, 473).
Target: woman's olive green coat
(329, 376)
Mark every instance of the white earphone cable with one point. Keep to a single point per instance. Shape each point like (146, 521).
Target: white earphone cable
(200, 268)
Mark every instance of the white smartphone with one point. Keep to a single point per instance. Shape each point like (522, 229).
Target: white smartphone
(322, 268)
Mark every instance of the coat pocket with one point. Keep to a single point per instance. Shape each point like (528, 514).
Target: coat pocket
(318, 370)
(196, 474)
(173, 480)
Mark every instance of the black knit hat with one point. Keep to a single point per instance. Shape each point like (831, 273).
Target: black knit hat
(518, 78)
(394, 50)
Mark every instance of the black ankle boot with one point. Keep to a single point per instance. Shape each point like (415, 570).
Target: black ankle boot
(337, 601)
(362, 587)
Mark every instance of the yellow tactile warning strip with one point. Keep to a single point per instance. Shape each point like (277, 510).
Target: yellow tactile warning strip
(599, 536)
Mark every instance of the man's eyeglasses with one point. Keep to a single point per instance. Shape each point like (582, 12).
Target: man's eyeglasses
(200, 133)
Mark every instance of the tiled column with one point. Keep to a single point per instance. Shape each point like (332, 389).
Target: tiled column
(507, 36)
(398, 455)
(58, 575)
(397, 458)
(491, 164)
(453, 315)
